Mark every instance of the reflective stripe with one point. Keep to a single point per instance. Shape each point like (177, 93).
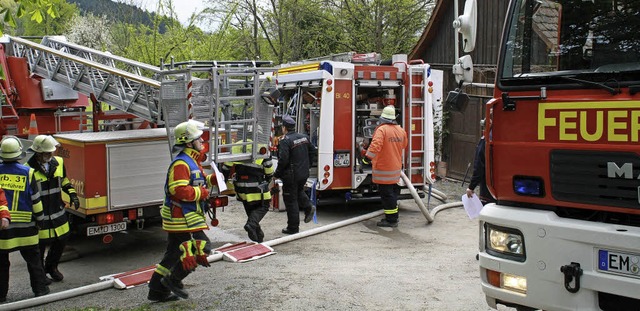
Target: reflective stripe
(247, 184)
(21, 217)
(391, 211)
(253, 197)
(18, 242)
(50, 191)
(162, 270)
(21, 225)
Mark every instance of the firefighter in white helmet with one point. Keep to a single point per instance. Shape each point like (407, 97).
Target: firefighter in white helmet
(52, 180)
(183, 216)
(21, 189)
(385, 152)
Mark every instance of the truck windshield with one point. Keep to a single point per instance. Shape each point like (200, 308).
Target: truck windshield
(550, 40)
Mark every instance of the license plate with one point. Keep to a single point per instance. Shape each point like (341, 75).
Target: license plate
(110, 228)
(619, 263)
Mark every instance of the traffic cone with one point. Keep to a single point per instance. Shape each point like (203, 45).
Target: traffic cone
(33, 127)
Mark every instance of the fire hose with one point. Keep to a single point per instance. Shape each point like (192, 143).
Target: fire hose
(107, 284)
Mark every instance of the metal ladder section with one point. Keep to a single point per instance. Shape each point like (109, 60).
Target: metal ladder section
(228, 99)
(122, 83)
(422, 156)
(208, 92)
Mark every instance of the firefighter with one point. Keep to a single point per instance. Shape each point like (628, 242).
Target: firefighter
(251, 184)
(51, 177)
(295, 154)
(21, 190)
(385, 152)
(183, 216)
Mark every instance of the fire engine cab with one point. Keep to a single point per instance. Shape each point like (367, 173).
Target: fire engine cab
(337, 101)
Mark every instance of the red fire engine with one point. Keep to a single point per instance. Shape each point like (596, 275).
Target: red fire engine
(119, 175)
(336, 101)
(563, 159)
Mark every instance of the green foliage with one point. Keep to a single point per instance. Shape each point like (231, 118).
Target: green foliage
(36, 10)
(56, 24)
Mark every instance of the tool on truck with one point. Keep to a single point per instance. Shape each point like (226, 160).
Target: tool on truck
(120, 175)
(562, 159)
(337, 100)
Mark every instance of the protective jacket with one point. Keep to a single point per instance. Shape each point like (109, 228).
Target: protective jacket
(185, 203)
(385, 152)
(252, 180)
(295, 154)
(51, 184)
(25, 208)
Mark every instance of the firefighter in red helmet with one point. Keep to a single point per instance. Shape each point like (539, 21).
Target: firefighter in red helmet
(183, 216)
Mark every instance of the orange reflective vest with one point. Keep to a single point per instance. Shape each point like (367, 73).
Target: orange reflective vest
(385, 152)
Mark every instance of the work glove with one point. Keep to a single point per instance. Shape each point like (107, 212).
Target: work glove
(201, 253)
(204, 193)
(187, 259)
(74, 200)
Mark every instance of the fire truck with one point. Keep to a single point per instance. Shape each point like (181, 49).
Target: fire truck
(119, 175)
(563, 159)
(337, 100)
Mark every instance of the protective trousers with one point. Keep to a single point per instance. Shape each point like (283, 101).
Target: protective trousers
(56, 248)
(171, 260)
(295, 200)
(389, 196)
(31, 256)
(255, 212)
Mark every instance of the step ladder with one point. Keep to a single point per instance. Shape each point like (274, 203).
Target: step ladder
(420, 115)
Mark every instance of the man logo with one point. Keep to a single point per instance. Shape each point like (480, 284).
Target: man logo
(625, 171)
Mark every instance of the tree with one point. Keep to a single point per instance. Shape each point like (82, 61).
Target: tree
(91, 31)
(35, 9)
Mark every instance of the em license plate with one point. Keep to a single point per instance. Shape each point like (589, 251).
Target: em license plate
(110, 228)
(619, 263)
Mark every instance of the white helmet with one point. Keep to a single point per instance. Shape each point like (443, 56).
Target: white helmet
(44, 143)
(11, 149)
(389, 113)
(186, 132)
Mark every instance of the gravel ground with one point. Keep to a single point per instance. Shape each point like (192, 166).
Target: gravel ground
(416, 266)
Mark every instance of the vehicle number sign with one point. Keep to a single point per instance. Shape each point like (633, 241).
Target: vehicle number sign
(619, 263)
(110, 228)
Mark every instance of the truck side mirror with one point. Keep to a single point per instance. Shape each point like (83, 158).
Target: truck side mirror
(466, 25)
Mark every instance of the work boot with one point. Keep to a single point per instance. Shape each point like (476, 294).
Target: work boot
(260, 234)
(47, 281)
(253, 235)
(385, 223)
(173, 286)
(42, 292)
(290, 231)
(308, 215)
(157, 296)
(54, 273)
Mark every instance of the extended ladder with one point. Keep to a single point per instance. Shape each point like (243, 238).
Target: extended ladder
(420, 116)
(210, 92)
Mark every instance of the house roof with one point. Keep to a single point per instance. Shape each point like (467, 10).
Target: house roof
(438, 14)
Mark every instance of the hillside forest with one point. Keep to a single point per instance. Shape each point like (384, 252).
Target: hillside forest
(276, 30)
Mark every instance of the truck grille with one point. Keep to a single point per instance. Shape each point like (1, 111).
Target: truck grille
(582, 177)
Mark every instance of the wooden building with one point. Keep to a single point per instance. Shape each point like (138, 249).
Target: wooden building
(436, 46)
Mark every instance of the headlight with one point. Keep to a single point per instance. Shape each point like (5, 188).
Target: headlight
(505, 242)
